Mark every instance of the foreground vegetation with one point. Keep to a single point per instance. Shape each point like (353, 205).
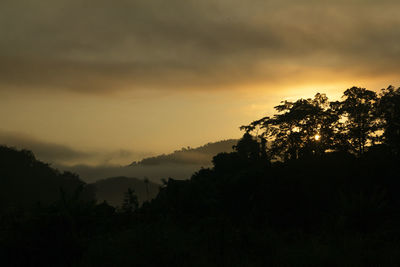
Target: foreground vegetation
(316, 185)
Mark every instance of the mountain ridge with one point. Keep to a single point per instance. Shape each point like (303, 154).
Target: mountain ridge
(198, 155)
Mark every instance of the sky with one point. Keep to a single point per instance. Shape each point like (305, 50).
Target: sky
(109, 82)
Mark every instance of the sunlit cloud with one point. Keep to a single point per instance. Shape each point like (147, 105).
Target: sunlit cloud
(103, 47)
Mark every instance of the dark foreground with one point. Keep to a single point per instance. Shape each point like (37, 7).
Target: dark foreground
(333, 210)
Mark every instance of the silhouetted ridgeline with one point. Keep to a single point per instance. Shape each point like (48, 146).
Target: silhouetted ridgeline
(196, 156)
(180, 164)
(318, 184)
(25, 181)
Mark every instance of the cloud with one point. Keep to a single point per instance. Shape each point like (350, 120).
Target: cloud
(102, 46)
(49, 152)
(65, 155)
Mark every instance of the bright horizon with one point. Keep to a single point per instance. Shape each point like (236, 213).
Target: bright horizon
(97, 82)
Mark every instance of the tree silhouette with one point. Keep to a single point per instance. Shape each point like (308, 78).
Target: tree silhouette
(248, 148)
(146, 182)
(301, 128)
(358, 110)
(389, 110)
(131, 202)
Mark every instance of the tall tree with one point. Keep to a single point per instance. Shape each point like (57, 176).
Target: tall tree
(360, 119)
(304, 127)
(131, 202)
(389, 109)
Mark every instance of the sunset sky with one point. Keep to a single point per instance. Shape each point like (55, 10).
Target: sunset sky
(108, 82)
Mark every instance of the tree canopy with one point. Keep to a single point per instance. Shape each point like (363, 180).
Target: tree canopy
(315, 126)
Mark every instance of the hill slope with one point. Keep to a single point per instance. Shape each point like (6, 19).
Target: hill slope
(198, 156)
(179, 165)
(25, 181)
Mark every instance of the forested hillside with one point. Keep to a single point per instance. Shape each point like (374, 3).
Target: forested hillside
(26, 182)
(179, 164)
(317, 184)
(198, 156)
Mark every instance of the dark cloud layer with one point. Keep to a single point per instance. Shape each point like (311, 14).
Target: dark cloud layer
(101, 45)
